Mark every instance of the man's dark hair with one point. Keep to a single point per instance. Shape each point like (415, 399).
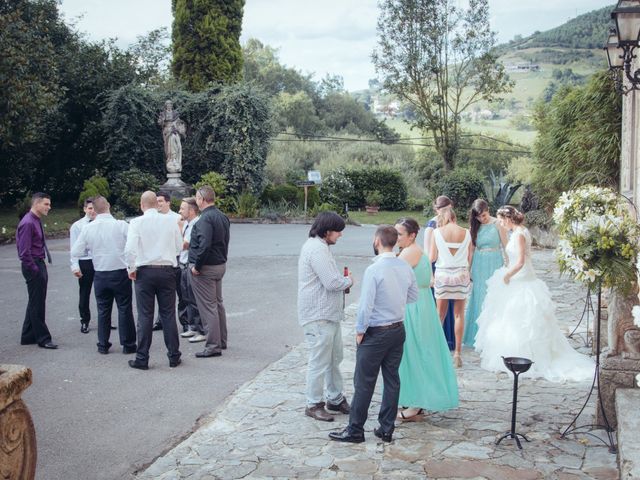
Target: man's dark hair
(326, 222)
(36, 197)
(87, 201)
(165, 195)
(388, 235)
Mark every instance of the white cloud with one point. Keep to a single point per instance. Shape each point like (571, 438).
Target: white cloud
(332, 36)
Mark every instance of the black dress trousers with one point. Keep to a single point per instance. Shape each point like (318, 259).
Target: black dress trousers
(85, 282)
(34, 328)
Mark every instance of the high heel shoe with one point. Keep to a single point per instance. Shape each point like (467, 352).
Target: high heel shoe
(416, 417)
(457, 361)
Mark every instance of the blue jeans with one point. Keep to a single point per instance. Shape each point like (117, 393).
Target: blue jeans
(324, 380)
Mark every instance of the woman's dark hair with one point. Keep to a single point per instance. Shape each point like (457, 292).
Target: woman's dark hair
(511, 213)
(326, 222)
(478, 207)
(442, 201)
(409, 224)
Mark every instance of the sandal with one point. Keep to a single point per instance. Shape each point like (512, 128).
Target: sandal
(418, 416)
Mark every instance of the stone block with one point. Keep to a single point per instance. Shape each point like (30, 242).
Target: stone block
(627, 407)
(615, 372)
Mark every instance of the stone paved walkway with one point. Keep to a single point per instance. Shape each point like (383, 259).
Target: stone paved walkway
(261, 431)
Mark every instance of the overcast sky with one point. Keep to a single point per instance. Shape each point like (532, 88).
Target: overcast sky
(329, 36)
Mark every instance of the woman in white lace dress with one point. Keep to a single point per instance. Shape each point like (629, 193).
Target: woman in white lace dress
(518, 316)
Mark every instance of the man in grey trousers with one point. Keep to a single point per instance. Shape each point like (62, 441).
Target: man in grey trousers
(207, 260)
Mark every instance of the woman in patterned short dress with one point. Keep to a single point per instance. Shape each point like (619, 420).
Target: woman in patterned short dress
(452, 280)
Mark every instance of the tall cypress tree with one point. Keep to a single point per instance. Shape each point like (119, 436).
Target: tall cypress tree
(206, 41)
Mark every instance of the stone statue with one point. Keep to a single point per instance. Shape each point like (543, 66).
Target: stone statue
(172, 129)
(624, 336)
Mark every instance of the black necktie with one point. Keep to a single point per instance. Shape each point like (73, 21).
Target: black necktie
(44, 242)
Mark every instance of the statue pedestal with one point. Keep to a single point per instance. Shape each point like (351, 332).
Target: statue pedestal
(18, 451)
(615, 372)
(175, 187)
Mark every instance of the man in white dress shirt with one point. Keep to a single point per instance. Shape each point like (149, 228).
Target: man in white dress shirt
(164, 207)
(153, 244)
(82, 267)
(105, 238)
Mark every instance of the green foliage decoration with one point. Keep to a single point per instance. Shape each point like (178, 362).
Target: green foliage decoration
(206, 42)
(95, 186)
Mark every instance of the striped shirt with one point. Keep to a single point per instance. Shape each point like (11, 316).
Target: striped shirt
(320, 284)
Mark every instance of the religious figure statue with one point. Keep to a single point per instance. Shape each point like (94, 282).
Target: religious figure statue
(172, 129)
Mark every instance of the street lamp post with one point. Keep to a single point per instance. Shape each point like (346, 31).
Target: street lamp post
(622, 43)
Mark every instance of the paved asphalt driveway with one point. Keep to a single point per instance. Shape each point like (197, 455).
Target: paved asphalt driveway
(97, 418)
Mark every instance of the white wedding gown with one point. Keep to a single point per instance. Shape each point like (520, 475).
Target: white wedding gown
(518, 320)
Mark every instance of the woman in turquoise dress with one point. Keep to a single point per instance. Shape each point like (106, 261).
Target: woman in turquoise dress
(427, 378)
(488, 241)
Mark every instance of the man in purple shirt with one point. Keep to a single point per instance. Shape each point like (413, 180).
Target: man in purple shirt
(32, 249)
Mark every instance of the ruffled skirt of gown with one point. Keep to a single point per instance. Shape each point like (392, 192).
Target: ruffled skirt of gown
(518, 320)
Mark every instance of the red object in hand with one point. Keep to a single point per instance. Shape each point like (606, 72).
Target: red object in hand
(346, 274)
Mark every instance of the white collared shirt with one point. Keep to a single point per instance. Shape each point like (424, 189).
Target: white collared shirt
(153, 239)
(105, 238)
(186, 237)
(74, 233)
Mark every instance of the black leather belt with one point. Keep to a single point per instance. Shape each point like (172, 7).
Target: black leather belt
(155, 266)
(386, 327)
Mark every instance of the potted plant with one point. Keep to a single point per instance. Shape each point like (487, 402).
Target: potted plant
(373, 200)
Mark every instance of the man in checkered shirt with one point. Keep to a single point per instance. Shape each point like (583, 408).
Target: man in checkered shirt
(321, 286)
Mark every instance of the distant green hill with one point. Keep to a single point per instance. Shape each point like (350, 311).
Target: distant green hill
(586, 31)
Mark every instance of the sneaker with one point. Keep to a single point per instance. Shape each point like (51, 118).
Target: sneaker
(197, 338)
(187, 334)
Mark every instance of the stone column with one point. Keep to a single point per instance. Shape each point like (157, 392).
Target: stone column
(621, 362)
(17, 435)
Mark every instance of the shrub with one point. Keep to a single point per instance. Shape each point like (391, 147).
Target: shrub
(246, 205)
(538, 218)
(417, 204)
(94, 186)
(322, 207)
(218, 182)
(389, 183)
(127, 186)
(462, 186)
(277, 193)
(337, 189)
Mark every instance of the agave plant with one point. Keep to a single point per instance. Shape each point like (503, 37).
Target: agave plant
(502, 191)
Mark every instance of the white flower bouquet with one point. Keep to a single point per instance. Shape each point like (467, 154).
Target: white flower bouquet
(598, 237)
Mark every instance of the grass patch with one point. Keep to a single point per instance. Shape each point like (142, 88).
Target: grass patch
(56, 224)
(383, 217)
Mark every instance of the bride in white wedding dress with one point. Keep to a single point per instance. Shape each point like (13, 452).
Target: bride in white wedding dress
(518, 316)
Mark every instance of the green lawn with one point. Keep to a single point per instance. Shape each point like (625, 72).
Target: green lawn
(388, 218)
(56, 224)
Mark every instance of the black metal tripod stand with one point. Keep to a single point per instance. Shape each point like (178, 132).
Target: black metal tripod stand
(572, 428)
(587, 311)
(517, 366)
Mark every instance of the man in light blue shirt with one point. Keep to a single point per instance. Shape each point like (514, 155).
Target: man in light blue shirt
(388, 285)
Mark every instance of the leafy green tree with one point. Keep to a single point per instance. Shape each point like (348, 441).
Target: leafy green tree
(262, 67)
(152, 56)
(206, 42)
(297, 111)
(578, 140)
(438, 58)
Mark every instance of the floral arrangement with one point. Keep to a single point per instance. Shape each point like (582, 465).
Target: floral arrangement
(598, 237)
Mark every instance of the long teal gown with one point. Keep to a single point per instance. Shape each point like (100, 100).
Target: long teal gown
(487, 258)
(427, 378)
